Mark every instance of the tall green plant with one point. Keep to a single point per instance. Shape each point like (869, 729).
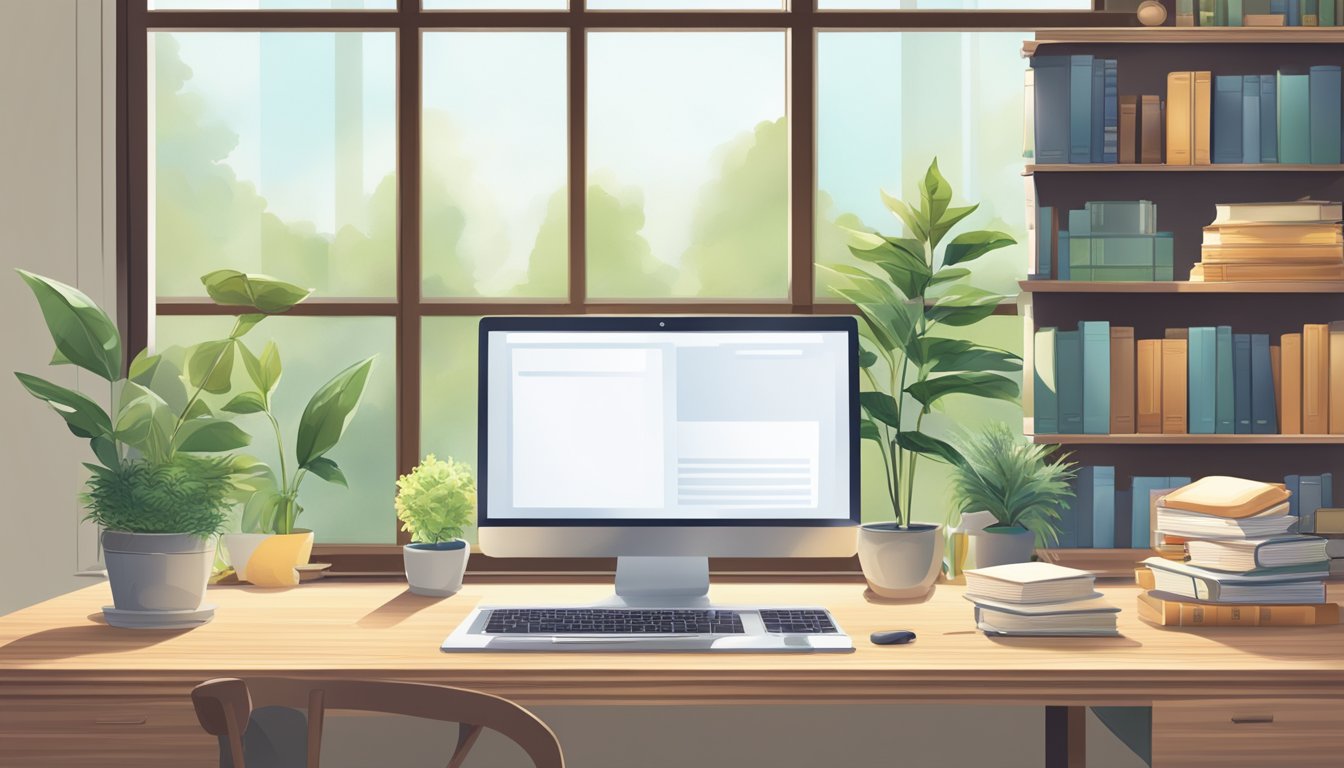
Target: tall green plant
(920, 293)
(1014, 480)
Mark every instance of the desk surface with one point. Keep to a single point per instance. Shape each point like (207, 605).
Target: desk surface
(378, 629)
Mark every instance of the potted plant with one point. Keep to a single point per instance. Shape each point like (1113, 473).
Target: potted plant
(270, 547)
(158, 503)
(911, 364)
(434, 503)
(1016, 482)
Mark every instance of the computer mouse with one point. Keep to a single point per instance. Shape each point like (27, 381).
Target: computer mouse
(893, 637)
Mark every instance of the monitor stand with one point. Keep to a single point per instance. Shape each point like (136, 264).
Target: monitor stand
(661, 582)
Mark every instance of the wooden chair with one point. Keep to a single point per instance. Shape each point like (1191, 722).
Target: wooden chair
(224, 708)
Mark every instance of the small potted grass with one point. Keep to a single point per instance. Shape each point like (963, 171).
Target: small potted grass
(434, 503)
(1017, 482)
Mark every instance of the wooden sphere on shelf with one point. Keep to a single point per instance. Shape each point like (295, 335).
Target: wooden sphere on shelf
(1152, 13)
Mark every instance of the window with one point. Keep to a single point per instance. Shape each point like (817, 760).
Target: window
(422, 164)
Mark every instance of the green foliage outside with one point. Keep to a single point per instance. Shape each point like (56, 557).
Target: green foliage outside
(923, 292)
(436, 500)
(1016, 481)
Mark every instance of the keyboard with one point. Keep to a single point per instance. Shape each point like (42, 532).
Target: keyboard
(657, 629)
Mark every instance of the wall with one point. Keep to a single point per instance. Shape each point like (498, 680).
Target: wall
(56, 219)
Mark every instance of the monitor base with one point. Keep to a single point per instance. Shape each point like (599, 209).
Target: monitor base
(661, 582)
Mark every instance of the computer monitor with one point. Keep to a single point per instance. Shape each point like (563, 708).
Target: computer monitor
(664, 441)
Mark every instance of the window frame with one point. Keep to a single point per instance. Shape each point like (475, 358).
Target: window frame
(800, 21)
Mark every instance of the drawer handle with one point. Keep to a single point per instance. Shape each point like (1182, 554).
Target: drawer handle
(1245, 719)
(124, 720)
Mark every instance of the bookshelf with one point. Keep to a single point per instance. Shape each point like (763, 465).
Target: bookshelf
(1185, 196)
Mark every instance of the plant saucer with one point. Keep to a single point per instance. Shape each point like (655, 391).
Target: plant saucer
(158, 619)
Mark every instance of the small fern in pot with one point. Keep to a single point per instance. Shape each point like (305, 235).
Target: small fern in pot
(1023, 485)
(435, 502)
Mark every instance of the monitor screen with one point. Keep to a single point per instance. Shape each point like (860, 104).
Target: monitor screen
(732, 421)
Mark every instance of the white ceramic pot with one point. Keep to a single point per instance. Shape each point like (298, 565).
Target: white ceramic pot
(1003, 545)
(901, 562)
(436, 570)
(157, 571)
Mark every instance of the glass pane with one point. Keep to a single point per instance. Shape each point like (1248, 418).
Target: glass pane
(495, 189)
(274, 152)
(448, 390)
(312, 350)
(272, 5)
(686, 5)
(687, 165)
(957, 5)
(497, 5)
(888, 103)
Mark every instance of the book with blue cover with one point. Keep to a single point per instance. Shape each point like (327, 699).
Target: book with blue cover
(1141, 506)
(1096, 342)
(1069, 381)
(1250, 119)
(1076, 522)
(1124, 519)
(1045, 216)
(1121, 217)
(1241, 382)
(1264, 419)
(1309, 487)
(1201, 381)
(1324, 104)
(1063, 256)
(1044, 399)
(1098, 120)
(1052, 108)
(1080, 108)
(1294, 485)
(1103, 507)
(1111, 113)
(1227, 122)
(1269, 119)
(1224, 408)
(1294, 128)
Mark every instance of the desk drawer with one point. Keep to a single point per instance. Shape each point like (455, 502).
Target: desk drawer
(1231, 733)
(104, 731)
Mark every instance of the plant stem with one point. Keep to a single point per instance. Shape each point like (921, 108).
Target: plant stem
(182, 418)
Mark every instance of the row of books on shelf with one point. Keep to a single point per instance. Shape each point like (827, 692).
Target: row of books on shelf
(1099, 380)
(1260, 13)
(1234, 554)
(1079, 116)
(1105, 241)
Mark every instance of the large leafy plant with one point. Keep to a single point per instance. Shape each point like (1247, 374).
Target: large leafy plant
(1017, 482)
(436, 500)
(913, 305)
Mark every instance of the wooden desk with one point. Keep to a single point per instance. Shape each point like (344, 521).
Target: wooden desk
(72, 687)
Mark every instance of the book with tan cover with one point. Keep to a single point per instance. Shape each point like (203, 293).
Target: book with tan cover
(1330, 520)
(1273, 234)
(1279, 212)
(1122, 380)
(1174, 386)
(1264, 20)
(1200, 133)
(1150, 129)
(1276, 375)
(1176, 333)
(1290, 416)
(1224, 496)
(1175, 613)
(1315, 379)
(1180, 122)
(1272, 255)
(1261, 273)
(1129, 123)
(1148, 386)
(1336, 397)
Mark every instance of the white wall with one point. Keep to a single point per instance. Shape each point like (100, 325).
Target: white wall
(57, 169)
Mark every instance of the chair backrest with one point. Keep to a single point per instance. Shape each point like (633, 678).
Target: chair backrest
(224, 707)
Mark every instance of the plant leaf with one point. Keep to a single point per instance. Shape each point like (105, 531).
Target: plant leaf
(950, 219)
(867, 358)
(196, 410)
(145, 421)
(84, 417)
(935, 194)
(211, 366)
(210, 436)
(930, 446)
(949, 355)
(893, 320)
(260, 510)
(141, 370)
(868, 431)
(105, 450)
(976, 383)
(947, 275)
(246, 323)
(963, 305)
(329, 412)
(84, 335)
(262, 293)
(246, 402)
(327, 470)
(969, 246)
(901, 259)
(882, 407)
(913, 220)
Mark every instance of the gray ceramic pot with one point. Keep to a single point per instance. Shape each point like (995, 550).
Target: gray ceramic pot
(157, 571)
(900, 562)
(1002, 545)
(436, 570)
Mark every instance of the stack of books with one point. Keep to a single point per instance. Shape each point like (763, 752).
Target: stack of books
(1268, 242)
(1329, 525)
(1247, 566)
(1260, 13)
(1098, 379)
(1106, 241)
(1038, 599)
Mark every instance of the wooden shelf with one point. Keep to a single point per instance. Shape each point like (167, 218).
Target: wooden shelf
(1105, 563)
(1034, 168)
(1156, 439)
(1185, 35)
(1180, 286)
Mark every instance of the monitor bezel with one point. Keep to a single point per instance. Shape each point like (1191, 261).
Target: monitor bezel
(669, 323)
